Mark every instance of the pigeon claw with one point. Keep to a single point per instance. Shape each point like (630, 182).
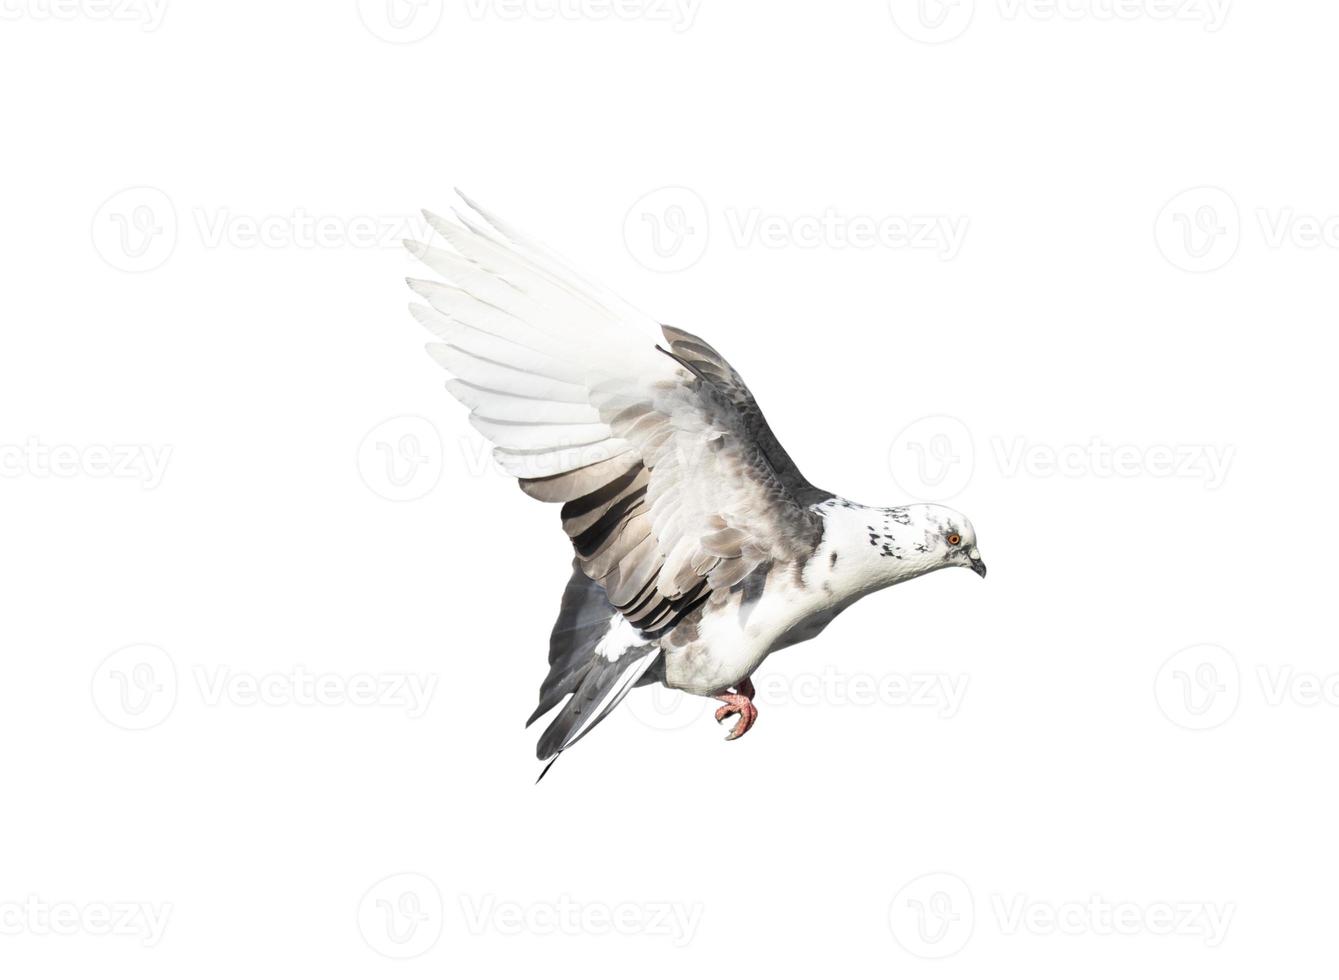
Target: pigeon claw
(738, 702)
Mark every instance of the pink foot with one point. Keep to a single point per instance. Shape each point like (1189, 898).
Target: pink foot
(738, 702)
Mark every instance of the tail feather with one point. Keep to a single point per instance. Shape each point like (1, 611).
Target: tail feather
(603, 686)
(583, 619)
(595, 658)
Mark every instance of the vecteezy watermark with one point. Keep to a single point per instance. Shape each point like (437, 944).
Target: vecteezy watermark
(299, 687)
(138, 229)
(935, 916)
(299, 228)
(676, 921)
(1201, 687)
(64, 461)
(1209, 14)
(937, 21)
(401, 916)
(934, 458)
(941, 233)
(34, 916)
(135, 230)
(1284, 684)
(679, 14)
(668, 230)
(1290, 228)
(400, 21)
(932, 21)
(147, 13)
(664, 709)
(1098, 916)
(1201, 229)
(401, 459)
(1018, 456)
(137, 687)
(941, 693)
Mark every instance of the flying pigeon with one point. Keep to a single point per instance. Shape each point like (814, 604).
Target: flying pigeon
(700, 547)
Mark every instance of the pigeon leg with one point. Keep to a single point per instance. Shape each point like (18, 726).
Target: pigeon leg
(738, 702)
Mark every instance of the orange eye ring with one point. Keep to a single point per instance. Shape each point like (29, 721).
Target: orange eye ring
(955, 539)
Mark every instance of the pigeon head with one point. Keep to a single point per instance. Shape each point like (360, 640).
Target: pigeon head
(874, 547)
(950, 536)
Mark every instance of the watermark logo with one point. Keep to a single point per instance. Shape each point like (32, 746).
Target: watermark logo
(300, 228)
(39, 460)
(1098, 916)
(401, 459)
(135, 688)
(1199, 687)
(676, 921)
(679, 14)
(1288, 227)
(932, 21)
(147, 13)
(401, 916)
(1097, 457)
(933, 458)
(1199, 230)
(1285, 684)
(138, 229)
(941, 693)
(135, 230)
(933, 916)
(937, 21)
(34, 916)
(664, 709)
(1211, 14)
(667, 229)
(400, 21)
(940, 233)
(300, 687)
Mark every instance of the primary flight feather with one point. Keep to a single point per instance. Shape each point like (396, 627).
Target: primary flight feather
(700, 548)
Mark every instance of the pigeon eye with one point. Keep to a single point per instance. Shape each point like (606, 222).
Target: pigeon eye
(954, 538)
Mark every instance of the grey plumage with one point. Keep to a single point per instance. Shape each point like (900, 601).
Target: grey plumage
(707, 363)
(673, 486)
(576, 669)
(687, 518)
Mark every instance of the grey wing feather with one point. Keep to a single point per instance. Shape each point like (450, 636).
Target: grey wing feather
(672, 483)
(707, 364)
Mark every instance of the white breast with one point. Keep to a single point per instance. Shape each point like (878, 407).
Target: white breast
(735, 636)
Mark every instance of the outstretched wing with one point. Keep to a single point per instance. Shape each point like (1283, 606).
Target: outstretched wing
(671, 482)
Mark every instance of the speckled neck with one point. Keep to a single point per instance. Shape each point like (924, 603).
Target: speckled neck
(869, 548)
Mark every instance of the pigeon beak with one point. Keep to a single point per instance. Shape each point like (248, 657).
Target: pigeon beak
(978, 565)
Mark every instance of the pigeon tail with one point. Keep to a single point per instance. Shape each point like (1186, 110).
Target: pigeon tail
(595, 658)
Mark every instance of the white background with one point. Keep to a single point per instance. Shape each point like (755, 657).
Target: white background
(1147, 273)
